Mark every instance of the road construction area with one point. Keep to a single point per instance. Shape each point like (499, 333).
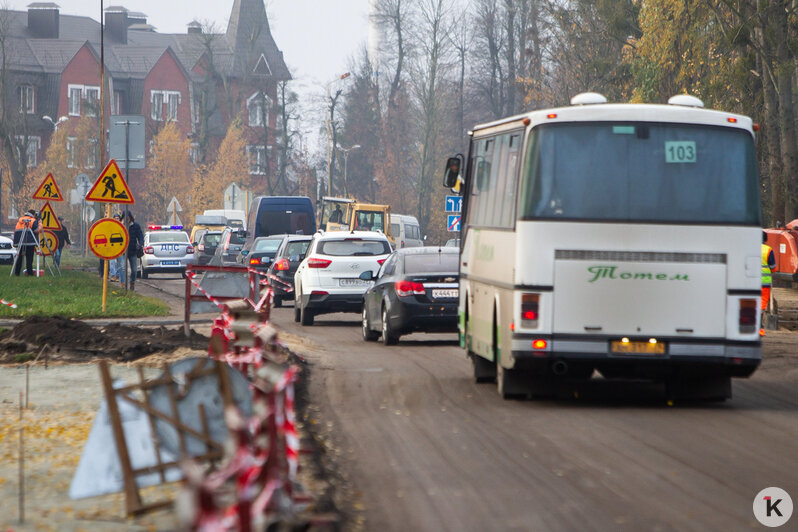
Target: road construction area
(409, 441)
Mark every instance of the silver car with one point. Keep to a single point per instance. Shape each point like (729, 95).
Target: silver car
(7, 250)
(166, 251)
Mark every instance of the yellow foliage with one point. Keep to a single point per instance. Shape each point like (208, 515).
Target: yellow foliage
(169, 172)
(231, 165)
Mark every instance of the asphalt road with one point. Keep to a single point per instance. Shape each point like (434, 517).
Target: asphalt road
(428, 449)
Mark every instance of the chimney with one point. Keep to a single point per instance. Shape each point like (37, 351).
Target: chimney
(43, 20)
(194, 27)
(116, 23)
(136, 17)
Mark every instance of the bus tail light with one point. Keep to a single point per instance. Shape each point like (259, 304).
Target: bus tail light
(148, 250)
(748, 310)
(282, 265)
(539, 344)
(318, 263)
(530, 311)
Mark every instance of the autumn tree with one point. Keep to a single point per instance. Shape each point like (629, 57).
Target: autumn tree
(230, 166)
(168, 174)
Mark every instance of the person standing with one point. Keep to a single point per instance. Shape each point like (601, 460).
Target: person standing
(768, 265)
(63, 240)
(135, 243)
(25, 235)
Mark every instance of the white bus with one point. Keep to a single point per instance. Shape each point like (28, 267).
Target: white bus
(622, 238)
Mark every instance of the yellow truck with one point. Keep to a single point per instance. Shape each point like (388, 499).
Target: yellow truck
(346, 214)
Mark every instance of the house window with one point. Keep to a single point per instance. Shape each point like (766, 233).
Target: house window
(258, 107)
(75, 95)
(26, 99)
(156, 100)
(31, 148)
(117, 110)
(91, 154)
(92, 100)
(72, 148)
(257, 159)
(172, 100)
(193, 152)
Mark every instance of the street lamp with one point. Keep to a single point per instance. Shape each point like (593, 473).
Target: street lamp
(329, 131)
(55, 124)
(346, 156)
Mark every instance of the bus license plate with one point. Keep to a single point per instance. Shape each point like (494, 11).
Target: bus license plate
(352, 282)
(450, 293)
(170, 262)
(638, 348)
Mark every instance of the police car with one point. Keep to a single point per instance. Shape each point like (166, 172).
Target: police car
(167, 249)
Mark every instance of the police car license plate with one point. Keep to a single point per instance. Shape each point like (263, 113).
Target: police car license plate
(170, 262)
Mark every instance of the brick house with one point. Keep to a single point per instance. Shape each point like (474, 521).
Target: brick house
(197, 79)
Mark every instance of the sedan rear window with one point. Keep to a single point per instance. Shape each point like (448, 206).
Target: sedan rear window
(268, 245)
(168, 236)
(297, 248)
(354, 247)
(432, 262)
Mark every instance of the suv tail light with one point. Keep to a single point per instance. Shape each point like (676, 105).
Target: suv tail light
(189, 249)
(380, 261)
(282, 265)
(409, 288)
(748, 310)
(318, 263)
(148, 250)
(530, 311)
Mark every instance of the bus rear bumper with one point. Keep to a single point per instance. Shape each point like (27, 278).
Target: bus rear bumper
(733, 359)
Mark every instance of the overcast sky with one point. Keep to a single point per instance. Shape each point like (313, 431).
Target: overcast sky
(317, 37)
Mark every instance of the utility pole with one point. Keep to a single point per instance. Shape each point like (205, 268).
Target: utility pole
(329, 120)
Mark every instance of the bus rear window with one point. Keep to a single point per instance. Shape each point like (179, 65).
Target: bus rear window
(641, 172)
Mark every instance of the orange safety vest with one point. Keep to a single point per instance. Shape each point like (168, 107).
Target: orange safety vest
(24, 222)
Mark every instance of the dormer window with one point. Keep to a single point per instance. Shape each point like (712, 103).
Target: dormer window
(157, 100)
(90, 93)
(27, 102)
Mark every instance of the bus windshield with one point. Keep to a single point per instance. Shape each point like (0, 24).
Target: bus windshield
(640, 172)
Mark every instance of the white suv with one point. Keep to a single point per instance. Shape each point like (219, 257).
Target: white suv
(328, 279)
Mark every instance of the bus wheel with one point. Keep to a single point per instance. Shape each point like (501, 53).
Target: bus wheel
(484, 369)
(511, 383)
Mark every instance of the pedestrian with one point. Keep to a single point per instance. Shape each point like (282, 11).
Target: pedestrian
(26, 234)
(768, 265)
(135, 246)
(63, 240)
(118, 264)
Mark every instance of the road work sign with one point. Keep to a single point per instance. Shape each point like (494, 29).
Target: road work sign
(49, 219)
(108, 238)
(48, 190)
(110, 187)
(48, 242)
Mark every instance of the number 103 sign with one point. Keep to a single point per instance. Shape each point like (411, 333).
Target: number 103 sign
(680, 151)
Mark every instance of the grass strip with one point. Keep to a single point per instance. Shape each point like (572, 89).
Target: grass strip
(75, 294)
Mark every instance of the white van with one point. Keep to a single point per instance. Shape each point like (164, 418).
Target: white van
(405, 231)
(234, 217)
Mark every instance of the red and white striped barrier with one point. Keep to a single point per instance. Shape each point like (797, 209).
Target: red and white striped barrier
(8, 303)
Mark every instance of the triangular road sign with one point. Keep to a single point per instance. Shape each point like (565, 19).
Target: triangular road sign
(49, 219)
(48, 190)
(110, 186)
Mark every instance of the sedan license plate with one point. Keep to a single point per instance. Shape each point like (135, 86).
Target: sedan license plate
(638, 348)
(170, 262)
(352, 282)
(449, 293)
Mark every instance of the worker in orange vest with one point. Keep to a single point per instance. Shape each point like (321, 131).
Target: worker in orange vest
(25, 235)
(768, 264)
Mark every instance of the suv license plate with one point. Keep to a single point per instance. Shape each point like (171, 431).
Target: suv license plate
(170, 262)
(352, 282)
(638, 348)
(450, 293)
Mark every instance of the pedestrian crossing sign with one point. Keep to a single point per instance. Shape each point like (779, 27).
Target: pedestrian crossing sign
(49, 219)
(48, 190)
(110, 187)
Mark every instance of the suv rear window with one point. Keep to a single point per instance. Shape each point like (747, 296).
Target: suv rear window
(354, 247)
(211, 239)
(236, 238)
(432, 262)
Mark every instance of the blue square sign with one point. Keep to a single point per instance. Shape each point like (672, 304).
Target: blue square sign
(453, 224)
(454, 203)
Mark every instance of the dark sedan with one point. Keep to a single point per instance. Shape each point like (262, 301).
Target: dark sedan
(290, 253)
(262, 251)
(416, 290)
(230, 244)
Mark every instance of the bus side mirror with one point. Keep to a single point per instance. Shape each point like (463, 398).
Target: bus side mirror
(452, 171)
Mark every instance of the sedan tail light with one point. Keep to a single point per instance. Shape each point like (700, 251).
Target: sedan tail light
(318, 263)
(282, 265)
(189, 249)
(530, 311)
(409, 288)
(748, 310)
(254, 261)
(148, 250)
